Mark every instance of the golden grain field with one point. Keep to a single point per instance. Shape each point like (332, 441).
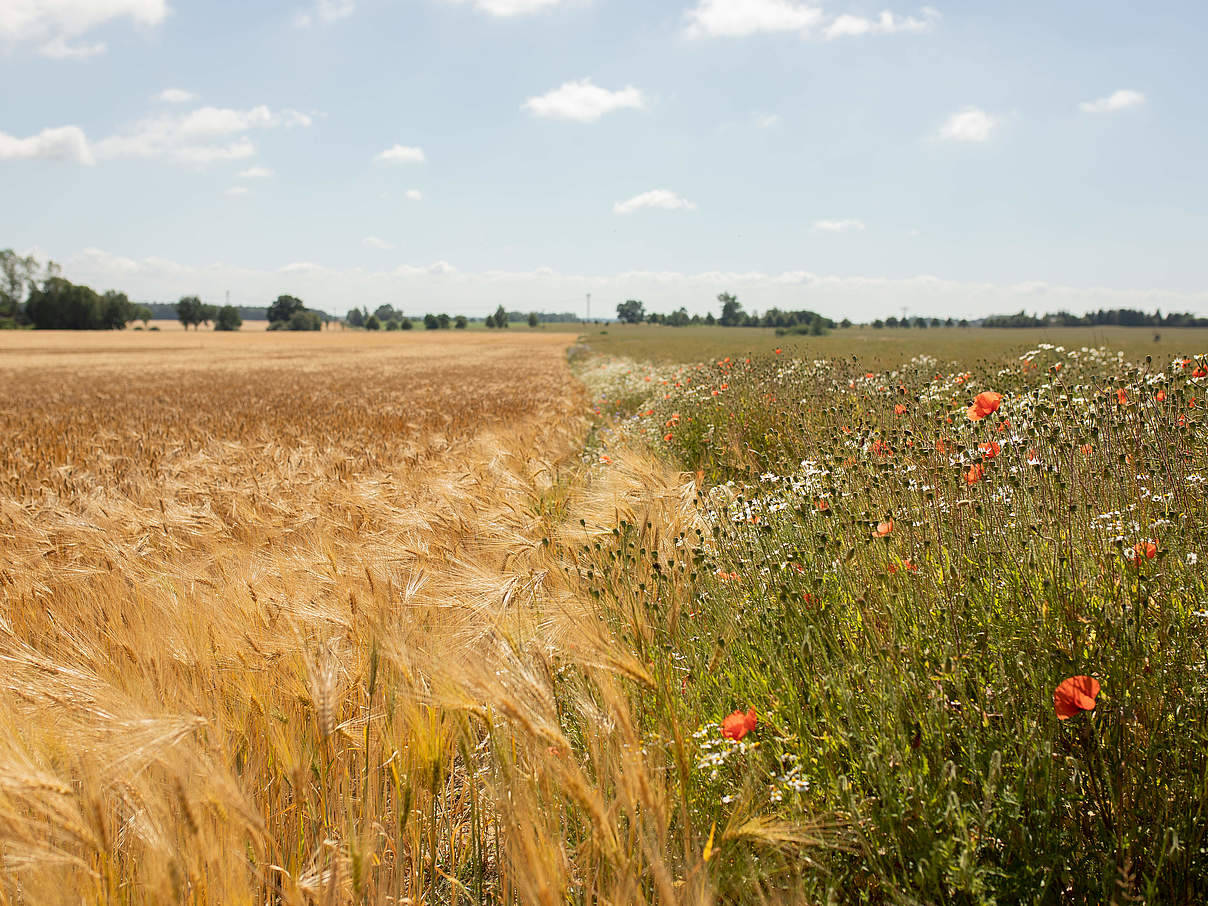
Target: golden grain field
(281, 620)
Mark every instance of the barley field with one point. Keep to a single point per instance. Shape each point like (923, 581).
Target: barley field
(664, 618)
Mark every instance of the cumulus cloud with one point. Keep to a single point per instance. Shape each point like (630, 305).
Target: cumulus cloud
(1117, 100)
(767, 120)
(55, 27)
(175, 96)
(401, 154)
(848, 225)
(235, 191)
(374, 242)
(413, 195)
(655, 198)
(203, 136)
(846, 26)
(508, 8)
(741, 18)
(968, 125)
(199, 137)
(445, 288)
(256, 173)
(584, 102)
(325, 12)
(60, 143)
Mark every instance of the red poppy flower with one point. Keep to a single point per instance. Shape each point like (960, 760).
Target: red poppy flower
(1087, 449)
(739, 724)
(990, 450)
(975, 473)
(823, 506)
(1200, 372)
(1074, 695)
(899, 409)
(883, 528)
(667, 437)
(1122, 397)
(1160, 396)
(984, 404)
(1146, 549)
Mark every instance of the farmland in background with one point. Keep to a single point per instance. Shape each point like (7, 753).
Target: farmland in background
(341, 617)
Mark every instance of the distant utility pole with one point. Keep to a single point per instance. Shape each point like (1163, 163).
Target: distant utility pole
(228, 297)
(588, 318)
(903, 312)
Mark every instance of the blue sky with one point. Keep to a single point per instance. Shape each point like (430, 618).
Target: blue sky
(955, 159)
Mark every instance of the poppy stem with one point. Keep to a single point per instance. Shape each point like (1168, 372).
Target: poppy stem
(1098, 775)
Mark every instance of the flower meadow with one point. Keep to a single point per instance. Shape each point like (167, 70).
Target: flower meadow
(943, 636)
(336, 618)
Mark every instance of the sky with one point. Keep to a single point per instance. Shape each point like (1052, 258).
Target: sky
(958, 160)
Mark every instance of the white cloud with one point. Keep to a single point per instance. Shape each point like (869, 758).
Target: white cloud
(413, 195)
(885, 24)
(54, 26)
(256, 173)
(508, 8)
(767, 120)
(324, 12)
(969, 125)
(445, 288)
(655, 198)
(401, 154)
(374, 242)
(1117, 100)
(60, 143)
(198, 137)
(741, 18)
(584, 102)
(235, 191)
(175, 96)
(204, 136)
(848, 225)
(59, 48)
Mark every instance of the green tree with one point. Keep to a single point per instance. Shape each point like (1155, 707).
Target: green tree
(631, 311)
(355, 318)
(305, 320)
(406, 324)
(115, 311)
(16, 279)
(393, 325)
(284, 308)
(228, 318)
(533, 320)
(460, 323)
(144, 314)
(188, 311)
(731, 310)
(490, 322)
(388, 313)
(430, 322)
(443, 321)
(372, 323)
(501, 317)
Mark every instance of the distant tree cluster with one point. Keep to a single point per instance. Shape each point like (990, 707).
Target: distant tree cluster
(55, 303)
(498, 320)
(919, 322)
(1115, 317)
(289, 313)
(633, 311)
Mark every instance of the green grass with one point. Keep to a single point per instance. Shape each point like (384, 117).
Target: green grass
(904, 684)
(881, 348)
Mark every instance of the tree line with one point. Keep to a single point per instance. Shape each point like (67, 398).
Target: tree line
(387, 317)
(803, 321)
